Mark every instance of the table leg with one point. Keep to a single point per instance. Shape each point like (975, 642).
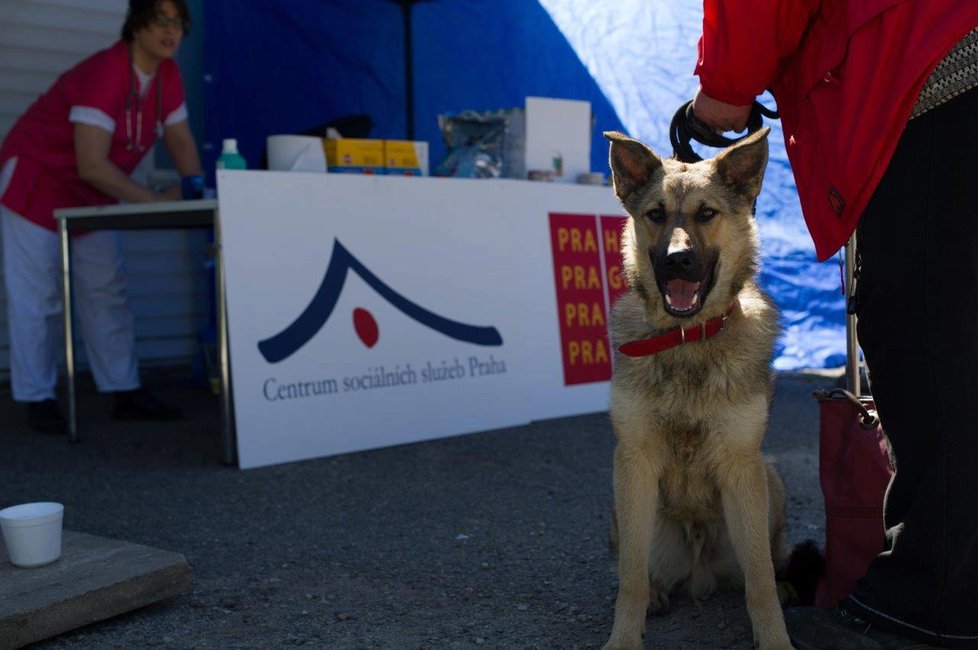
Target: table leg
(227, 411)
(69, 337)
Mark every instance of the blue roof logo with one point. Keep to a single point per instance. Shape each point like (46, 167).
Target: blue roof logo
(284, 344)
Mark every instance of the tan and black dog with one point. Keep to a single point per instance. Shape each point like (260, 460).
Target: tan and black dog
(696, 503)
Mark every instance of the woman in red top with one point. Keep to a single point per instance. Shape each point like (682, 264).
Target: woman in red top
(879, 103)
(76, 146)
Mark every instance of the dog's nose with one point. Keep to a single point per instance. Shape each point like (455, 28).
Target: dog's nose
(683, 263)
(681, 260)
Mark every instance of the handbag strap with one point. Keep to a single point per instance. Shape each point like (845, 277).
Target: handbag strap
(853, 377)
(867, 418)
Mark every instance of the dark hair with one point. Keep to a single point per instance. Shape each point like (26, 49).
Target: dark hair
(142, 12)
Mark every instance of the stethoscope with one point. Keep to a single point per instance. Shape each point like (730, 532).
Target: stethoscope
(133, 97)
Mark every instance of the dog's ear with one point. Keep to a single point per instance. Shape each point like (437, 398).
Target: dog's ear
(632, 163)
(741, 166)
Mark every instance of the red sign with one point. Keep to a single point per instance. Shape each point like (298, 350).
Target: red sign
(585, 275)
(611, 237)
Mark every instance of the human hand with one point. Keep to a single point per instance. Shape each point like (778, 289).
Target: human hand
(720, 115)
(173, 193)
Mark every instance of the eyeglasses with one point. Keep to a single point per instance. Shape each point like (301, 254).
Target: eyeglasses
(163, 22)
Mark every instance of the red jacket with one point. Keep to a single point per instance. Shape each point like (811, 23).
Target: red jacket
(845, 75)
(43, 139)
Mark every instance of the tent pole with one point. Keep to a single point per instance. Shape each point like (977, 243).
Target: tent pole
(408, 68)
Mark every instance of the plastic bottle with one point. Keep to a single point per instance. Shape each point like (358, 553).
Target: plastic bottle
(230, 158)
(558, 163)
(206, 363)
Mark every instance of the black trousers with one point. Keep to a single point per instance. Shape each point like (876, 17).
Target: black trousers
(917, 311)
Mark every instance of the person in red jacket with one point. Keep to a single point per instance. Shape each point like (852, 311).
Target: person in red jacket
(76, 146)
(879, 104)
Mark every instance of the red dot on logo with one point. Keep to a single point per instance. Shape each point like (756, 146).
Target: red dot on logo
(366, 326)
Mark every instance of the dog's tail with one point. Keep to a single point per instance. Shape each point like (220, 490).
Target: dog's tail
(799, 576)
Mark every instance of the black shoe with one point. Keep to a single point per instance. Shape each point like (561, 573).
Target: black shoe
(45, 417)
(824, 628)
(140, 404)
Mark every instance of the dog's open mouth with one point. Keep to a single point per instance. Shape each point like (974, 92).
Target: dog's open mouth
(682, 296)
(685, 279)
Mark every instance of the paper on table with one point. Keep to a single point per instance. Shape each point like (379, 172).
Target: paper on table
(296, 153)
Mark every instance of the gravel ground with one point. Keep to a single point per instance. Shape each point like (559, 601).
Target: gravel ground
(496, 539)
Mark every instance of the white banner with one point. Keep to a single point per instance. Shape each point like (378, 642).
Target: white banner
(367, 311)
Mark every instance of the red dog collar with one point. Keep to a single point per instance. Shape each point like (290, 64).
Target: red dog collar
(680, 336)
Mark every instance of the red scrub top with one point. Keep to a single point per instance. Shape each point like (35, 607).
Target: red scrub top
(46, 173)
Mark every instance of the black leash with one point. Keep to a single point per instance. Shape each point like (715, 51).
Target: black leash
(686, 126)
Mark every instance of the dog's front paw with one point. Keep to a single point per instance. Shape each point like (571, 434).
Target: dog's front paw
(779, 645)
(613, 644)
(623, 638)
(773, 642)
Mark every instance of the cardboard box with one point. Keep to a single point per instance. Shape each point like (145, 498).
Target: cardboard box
(354, 155)
(406, 157)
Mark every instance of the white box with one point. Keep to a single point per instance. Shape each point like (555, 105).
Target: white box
(558, 137)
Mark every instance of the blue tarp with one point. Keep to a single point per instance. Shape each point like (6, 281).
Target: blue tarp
(283, 67)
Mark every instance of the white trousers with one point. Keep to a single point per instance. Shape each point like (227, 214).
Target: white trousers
(32, 274)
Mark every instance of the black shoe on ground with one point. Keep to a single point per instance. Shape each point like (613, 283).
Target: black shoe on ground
(825, 628)
(45, 417)
(140, 404)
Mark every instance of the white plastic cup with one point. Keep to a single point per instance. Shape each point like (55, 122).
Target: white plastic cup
(32, 533)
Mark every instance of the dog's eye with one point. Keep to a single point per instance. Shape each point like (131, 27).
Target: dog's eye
(706, 214)
(656, 215)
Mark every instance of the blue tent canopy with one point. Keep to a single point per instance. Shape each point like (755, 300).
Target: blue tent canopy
(283, 67)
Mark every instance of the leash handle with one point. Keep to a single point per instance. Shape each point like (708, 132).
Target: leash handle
(686, 126)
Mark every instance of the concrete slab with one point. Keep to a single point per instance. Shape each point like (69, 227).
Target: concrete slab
(95, 579)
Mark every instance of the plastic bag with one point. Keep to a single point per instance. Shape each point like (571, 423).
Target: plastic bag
(476, 144)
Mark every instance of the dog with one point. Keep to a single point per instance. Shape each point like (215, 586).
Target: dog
(696, 502)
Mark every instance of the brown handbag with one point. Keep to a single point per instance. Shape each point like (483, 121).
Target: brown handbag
(854, 470)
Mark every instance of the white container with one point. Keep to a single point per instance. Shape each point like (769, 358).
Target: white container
(32, 533)
(296, 153)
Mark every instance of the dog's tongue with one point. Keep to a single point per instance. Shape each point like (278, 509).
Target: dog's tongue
(682, 294)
